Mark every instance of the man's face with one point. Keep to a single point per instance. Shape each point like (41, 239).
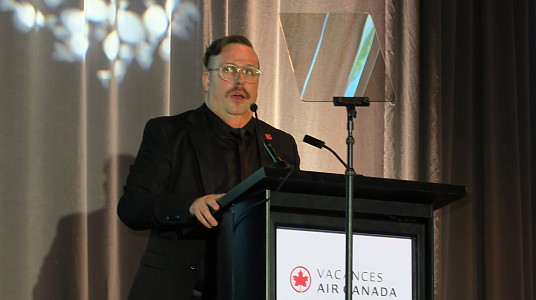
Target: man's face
(230, 100)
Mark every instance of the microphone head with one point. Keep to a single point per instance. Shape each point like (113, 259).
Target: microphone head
(313, 141)
(253, 107)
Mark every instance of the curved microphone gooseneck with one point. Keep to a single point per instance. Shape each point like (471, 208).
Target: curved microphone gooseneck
(278, 162)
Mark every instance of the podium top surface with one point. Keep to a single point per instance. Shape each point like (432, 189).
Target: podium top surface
(329, 184)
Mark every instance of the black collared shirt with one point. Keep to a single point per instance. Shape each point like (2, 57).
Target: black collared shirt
(226, 152)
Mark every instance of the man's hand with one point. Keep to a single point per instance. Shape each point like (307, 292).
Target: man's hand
(200, 208)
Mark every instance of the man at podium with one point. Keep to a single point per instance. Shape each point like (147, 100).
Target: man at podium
(186, 163)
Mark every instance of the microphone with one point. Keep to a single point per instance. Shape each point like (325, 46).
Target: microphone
(278, 162)
(321, 144)
(314, 142)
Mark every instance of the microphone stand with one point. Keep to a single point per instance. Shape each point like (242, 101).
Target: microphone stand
(350, 103)
(278, 162)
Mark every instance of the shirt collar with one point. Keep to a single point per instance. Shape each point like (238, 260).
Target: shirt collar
(222, 129)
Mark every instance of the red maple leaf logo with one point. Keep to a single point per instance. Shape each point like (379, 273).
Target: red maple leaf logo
(300, 279)
(268, 136)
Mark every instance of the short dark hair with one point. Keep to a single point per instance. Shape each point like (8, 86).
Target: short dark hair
(217, 45)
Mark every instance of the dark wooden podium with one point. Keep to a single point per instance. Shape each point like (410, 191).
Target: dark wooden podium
(272, 198)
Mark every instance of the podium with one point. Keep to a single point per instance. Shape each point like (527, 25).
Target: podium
(270, 202)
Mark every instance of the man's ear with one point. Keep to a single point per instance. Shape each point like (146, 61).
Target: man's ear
(206, 80)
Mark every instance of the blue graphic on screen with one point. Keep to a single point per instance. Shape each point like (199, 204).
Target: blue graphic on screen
(356, 76)
(361, 58)
(315, 56)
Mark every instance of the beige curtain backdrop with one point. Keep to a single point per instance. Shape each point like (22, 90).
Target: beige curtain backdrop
(66, 140)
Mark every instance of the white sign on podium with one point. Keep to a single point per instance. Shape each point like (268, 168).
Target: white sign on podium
(310, 265)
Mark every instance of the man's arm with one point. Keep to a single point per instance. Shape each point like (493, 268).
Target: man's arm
(147, 201)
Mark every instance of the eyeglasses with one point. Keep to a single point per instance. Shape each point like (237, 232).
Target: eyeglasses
(230, 72)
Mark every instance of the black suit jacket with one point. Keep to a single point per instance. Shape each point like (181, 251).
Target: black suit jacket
(173, 168)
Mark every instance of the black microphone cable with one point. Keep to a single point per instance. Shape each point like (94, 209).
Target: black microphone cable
(321, 144)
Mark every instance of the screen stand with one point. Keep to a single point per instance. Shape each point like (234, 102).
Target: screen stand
(350, 103)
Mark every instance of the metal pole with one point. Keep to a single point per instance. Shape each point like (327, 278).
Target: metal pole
(349, 174)
(350, 103)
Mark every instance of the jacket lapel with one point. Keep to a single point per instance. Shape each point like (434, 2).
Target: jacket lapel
(266, 159)
(199, 135)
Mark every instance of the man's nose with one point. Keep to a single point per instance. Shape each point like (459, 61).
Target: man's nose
(240, 77)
